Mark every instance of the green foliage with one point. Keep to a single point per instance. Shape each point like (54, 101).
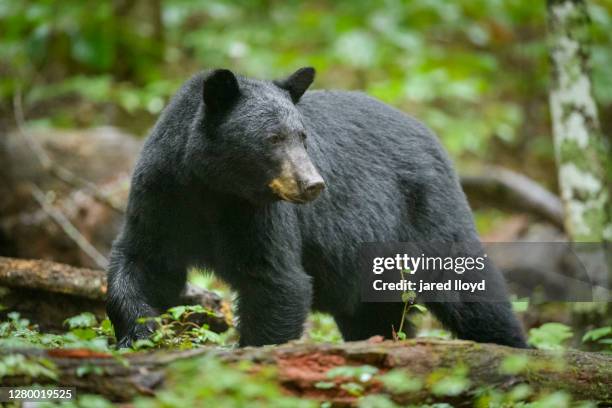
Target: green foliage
(514, 364)
(178, 328)
(401, 381)
(475, 71)
(84, 333)
(449, 382)
(601, 336)
(30, 367)
(323, 329)
(362, 373)
(208, 382)
(436, 333)
(84, 320)
(550, 336)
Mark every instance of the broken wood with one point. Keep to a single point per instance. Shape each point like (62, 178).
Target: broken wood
(103, 156)
(497, 187)
(300, 366)
(49, 292)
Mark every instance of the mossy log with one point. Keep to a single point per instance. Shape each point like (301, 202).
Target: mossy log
(301, 366)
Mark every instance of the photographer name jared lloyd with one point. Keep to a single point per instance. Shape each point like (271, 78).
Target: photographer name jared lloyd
(423, 286)
(410, 265)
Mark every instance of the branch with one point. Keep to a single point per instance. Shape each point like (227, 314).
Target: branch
(506, 189)
(71, 231)
(53, 168)
(299, 367)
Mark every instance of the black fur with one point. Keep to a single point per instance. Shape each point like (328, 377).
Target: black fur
(200, 197)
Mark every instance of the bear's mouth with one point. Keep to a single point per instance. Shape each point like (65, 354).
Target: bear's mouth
(296, 186)
(287, 190)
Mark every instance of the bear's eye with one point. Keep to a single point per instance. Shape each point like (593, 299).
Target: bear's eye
(276, 138)
(303, 139)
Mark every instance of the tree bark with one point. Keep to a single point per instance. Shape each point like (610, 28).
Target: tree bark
(300, 367)
(580, 147)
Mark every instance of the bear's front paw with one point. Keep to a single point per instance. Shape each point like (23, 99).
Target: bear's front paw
(139, 332)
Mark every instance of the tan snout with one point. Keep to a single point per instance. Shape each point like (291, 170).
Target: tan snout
(297, 184)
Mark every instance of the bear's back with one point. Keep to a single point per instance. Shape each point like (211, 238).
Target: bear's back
(355, 130)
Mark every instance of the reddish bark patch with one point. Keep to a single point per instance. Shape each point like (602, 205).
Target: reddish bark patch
(376, 340)
(299, 375)
(77, 353)
(307, 368)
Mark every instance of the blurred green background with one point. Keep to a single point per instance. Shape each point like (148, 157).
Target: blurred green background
(476, 71)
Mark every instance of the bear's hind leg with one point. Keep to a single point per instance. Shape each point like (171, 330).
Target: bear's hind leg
(492, 322)
(373, 319)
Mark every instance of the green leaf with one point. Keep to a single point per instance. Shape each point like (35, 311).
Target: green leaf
(84, 334)
(83, 320)
(408, 296)
(596, 334)
(401, 381)
(353, 388)
(514, 364)
(143, 344)
(550, 336)
(419, 308)
(450, 386)
(177, 312)
(324, 385)
(361, 372)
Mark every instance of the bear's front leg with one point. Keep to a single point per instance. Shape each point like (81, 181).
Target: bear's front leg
(273, 310)
(138, 289)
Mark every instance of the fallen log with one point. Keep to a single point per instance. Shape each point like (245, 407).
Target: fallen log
(507, 190)
(48, 292)
(300, 367)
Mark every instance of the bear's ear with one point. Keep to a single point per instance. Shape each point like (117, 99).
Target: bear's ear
(220, 90)
(297, 83)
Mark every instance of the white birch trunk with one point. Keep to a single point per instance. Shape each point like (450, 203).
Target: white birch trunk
(580, 148)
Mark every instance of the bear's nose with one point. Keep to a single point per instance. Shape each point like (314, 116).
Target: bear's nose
(313, 189)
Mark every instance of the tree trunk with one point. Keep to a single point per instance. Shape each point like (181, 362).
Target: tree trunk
(300, 367)
(580, 148)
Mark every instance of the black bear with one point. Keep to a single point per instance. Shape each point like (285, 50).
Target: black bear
(274, 188)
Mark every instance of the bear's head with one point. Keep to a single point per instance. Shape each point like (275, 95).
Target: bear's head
(254, 137)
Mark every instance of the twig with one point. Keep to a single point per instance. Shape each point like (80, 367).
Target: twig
(70, 230)
(49, 165)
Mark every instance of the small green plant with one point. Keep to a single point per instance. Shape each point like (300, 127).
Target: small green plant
(352, 379)
(179, 328)
(449, 383)
(84, 332)
(601, 337)
(401, 381)
(362, 373)
(31, 367)
(409, 299)
(550, 336)
(323, 329)
(514, 364)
